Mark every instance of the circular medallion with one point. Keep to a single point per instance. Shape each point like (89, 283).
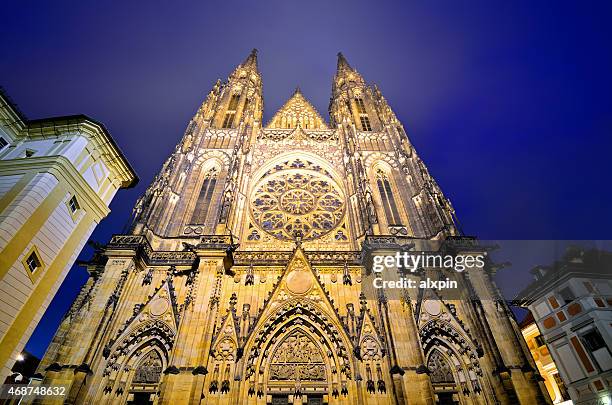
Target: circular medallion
(432, 307)
(299, 281)
(158, 306)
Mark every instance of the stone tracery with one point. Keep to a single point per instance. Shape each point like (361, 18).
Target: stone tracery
(302, 319)
(439, 368)
(297, 199)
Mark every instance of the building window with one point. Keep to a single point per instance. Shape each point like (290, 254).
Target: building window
(539, 340)
(33, 263)
(205, 197)
(360, 106)
(73, 204)
(388, 199)
(3, 142)
(363, 115)
(229, 120)
(74, 207)
(567, 295)
(365, 123)
(593, 340)
(589, 287)
(233, 104)
(401, 132)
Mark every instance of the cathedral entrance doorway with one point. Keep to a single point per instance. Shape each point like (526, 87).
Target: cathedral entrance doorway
(141, 398)
(280, 399)
(309, 399)
(446, 398)
(145, 379)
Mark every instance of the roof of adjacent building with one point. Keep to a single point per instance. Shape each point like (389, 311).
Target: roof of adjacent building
(42, 126)
(577, 262)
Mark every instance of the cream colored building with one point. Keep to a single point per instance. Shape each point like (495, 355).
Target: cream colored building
(571, 301)
(544, 361)
(57, 179)
(245, 277)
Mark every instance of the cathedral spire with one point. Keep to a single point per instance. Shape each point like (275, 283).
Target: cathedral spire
(345, 73)
(342, 63)
(345, 70)
(251, 60)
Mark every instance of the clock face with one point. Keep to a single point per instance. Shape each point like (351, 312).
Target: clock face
(297, 199)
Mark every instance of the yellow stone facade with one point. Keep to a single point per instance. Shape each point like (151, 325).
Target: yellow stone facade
(245, 277)
(57, 178)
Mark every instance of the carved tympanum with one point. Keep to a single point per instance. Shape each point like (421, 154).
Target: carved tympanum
(149, 370)
(297, 358)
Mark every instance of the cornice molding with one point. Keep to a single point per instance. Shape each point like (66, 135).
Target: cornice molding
(13, 119)
(62, 169)
(96, 133)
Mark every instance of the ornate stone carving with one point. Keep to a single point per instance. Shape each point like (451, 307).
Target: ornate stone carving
(298, 358)
(440, 370)
(297, 199)
(301, 331)
(150, 369)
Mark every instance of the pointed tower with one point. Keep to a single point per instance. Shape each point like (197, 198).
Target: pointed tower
(193, 192)
(240, 101)
(353, 101)
(398, 196)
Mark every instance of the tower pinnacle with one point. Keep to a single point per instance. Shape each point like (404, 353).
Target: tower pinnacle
(345, 74)
(251, 60)
(342, 63)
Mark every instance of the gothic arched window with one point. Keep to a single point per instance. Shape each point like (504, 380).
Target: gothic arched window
(228, 121)
(205, 197)
(363, 115)
(388, 199)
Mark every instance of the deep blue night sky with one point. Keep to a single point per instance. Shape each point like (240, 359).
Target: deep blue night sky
(508, 103)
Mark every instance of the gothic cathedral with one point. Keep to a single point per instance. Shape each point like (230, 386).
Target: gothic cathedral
(242, 279)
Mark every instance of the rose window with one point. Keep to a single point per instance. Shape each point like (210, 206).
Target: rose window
(294, 201)
(297, 201)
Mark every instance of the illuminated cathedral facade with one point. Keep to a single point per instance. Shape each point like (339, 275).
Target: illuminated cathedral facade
(244, 277)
